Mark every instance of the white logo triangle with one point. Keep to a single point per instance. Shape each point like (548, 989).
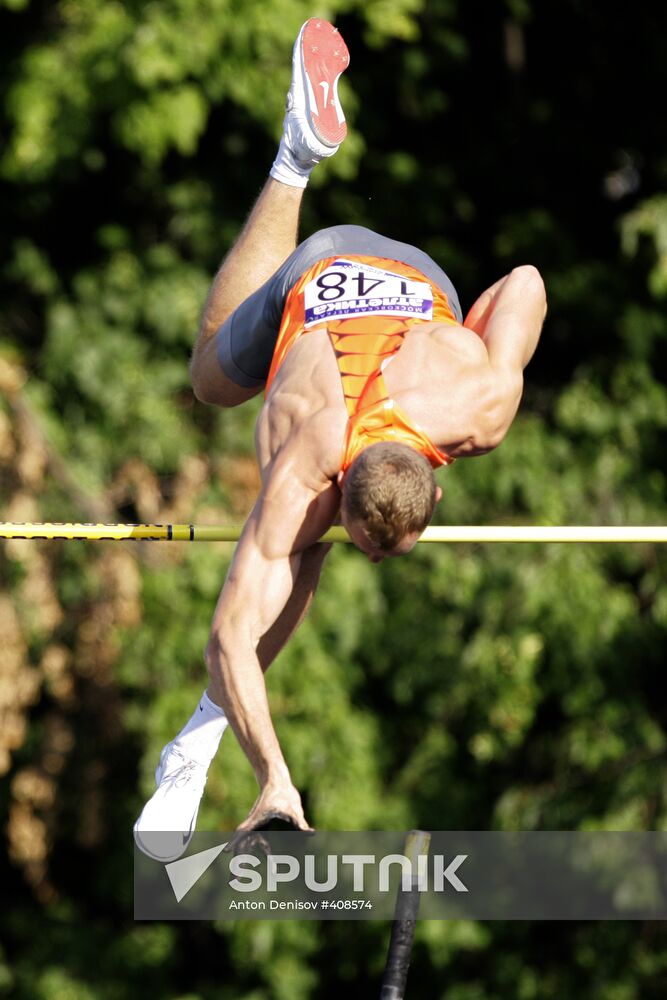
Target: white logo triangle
(185, 873)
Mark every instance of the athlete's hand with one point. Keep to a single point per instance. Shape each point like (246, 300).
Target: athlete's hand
(276, 801)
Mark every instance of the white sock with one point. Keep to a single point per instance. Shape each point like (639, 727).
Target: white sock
(288, 170)
(200, 736)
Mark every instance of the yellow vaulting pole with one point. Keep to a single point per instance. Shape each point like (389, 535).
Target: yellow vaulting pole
(655, 534)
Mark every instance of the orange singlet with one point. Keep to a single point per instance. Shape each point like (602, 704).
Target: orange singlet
(367, 306)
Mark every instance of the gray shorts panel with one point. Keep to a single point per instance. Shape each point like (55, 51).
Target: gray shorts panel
(246, 340)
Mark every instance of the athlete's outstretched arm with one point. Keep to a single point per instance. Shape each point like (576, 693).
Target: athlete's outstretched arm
(258, 597)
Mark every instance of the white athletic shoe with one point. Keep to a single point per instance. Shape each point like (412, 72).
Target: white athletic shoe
(314, 124)
(166, 824)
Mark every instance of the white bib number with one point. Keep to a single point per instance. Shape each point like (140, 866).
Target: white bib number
(348, 289)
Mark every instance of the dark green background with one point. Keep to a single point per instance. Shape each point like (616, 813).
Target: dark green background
(461, 688)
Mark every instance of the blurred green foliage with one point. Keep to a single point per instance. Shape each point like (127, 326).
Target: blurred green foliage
(466, 688)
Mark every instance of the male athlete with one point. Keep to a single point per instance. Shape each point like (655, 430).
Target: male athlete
(372, 380)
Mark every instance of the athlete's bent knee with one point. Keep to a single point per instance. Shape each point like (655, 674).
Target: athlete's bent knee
(211, 385)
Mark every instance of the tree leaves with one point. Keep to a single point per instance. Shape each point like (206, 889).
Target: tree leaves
(465, 687)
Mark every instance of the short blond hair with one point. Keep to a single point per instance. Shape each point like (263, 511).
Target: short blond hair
(391, 489)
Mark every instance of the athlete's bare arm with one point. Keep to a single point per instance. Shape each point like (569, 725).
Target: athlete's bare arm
(509, 318)
(256, 612)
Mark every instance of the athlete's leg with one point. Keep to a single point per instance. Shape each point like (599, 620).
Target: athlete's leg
(268, 237)
(313, 128)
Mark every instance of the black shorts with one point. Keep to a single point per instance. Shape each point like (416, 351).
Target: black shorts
(246, 340)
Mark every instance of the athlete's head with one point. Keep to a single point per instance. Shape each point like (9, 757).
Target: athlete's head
(388, 496)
